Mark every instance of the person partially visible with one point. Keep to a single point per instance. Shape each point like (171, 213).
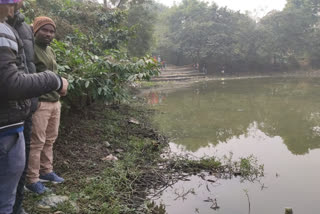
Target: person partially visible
(204, 68)
(162, 64)
(26, 35)
(46, 120)
(16, 87)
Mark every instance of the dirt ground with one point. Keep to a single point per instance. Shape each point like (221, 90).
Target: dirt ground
(86, 138)
(83, 138)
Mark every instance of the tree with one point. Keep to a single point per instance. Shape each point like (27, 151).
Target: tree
(195, 31)
(141, 20)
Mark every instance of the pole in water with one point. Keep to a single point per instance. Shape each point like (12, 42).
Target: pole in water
(288, 210)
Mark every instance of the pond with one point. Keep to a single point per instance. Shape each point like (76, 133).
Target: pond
(275, 119)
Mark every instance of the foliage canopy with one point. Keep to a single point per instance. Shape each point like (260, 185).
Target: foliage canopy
(92, 48)
(198, 32)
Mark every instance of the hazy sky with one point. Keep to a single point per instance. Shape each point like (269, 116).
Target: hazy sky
(261, 6)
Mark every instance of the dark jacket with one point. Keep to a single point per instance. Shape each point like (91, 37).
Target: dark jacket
(45, 59)
(26, 35)
(16, 87)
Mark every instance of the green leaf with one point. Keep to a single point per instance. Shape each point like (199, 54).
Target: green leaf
(99, 91)
(87, 84)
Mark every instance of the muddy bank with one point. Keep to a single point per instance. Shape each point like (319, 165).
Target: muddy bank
(115, 161)
(106, 155)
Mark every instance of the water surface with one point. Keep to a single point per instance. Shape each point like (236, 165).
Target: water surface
(275, 119)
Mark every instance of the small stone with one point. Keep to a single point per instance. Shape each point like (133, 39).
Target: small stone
(52, 201)
(107, 144)
(119, 150)
(134, 121)
(66, 162)
(109, 158)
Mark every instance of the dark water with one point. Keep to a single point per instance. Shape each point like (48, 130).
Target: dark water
(275, 119)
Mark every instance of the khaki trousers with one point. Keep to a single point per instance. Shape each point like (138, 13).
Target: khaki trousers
(45, 126)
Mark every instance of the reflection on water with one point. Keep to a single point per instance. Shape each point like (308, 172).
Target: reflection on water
(277, 120)
(155, 98)
(215, 113)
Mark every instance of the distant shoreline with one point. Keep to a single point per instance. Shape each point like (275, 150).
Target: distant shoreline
(171, 85)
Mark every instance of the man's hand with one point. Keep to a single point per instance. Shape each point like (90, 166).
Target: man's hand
(64, 89)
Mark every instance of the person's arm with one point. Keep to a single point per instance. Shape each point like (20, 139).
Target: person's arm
(15, 85)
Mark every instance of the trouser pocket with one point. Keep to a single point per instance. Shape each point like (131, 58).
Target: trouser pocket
(7, 142)
(12, 154)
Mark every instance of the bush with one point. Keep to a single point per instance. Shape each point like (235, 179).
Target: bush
(103, 77)
(91, 50)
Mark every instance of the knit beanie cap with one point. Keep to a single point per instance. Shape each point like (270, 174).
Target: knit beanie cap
(9, 1)
(41, 21)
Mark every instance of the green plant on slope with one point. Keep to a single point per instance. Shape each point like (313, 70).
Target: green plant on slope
(103, 76)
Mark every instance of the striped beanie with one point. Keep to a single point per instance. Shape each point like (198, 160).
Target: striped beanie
(9, 1)
(41, 21)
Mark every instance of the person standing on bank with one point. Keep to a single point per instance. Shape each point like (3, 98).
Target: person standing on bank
(46, 120)
(16, 87)
(26, 35)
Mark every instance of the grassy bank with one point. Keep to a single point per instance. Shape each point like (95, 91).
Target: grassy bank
(96, 184)
(93, 183)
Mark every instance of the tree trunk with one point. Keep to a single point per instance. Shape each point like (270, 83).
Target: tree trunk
(119, 4)
(105, 3)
